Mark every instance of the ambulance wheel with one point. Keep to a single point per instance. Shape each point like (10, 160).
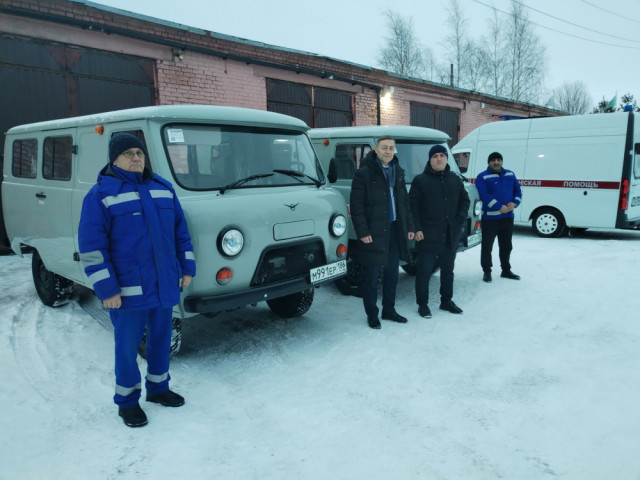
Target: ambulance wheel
(52, 289)
(294, 305)
(176, 340)
(548, 223)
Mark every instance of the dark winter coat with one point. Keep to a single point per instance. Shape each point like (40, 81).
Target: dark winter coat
(133, 239)
(370, 210)
(439, 203)
(496, 190)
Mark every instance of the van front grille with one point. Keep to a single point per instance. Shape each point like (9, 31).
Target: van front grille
(288, 261)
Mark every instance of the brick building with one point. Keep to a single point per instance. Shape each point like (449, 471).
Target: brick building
(62, 58)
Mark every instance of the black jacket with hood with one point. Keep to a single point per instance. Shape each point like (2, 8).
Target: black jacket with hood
(369, 205)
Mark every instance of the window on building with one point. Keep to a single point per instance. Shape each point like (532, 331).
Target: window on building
(431, 116)
(25, 155)
(316, 106)
(56, 158)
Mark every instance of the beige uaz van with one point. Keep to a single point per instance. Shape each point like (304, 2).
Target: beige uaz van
(264, 224)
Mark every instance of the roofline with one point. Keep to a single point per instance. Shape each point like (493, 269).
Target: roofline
(208, 114)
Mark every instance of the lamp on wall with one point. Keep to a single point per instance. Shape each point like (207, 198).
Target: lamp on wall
(178, 53)
(387, 91)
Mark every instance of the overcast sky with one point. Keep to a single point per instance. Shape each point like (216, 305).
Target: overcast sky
(590, 40)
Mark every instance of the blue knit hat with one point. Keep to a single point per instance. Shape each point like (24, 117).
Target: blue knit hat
(121, 142)
(438, 149)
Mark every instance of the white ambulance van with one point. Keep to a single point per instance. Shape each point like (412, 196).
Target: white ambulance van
(264, 224)
(576, 172)
(340, 150)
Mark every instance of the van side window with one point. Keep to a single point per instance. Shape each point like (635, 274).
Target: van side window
(25, 155)
(347, 159)
(56, 158)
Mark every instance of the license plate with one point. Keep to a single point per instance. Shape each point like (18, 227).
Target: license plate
(320, 274)
(474, 239)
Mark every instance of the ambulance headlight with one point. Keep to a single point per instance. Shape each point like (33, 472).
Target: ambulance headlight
(230, 242)
(338, 225)
(477, 208)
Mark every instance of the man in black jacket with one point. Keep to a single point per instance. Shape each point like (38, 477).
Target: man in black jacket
(439, 203)
(381, 215)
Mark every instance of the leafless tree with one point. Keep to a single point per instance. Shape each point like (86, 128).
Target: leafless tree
(401, 52)
(526, 57)
(495, 47)
(456, 40)
(572, 98)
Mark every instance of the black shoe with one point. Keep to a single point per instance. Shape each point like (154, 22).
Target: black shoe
(394, 317)
(449, 306)
(424, 311)
(168, 399)
(509, 274)
(486, 277)
(133, 416)
(374, 322)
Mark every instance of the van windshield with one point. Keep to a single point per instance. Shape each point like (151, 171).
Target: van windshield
(413, 157)
(213, 157)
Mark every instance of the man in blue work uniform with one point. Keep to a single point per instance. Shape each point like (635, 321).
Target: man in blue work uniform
(136, 250)
(500, 192)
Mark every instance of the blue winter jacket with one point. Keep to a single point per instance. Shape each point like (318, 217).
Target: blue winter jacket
(496, 190)
(133, 239)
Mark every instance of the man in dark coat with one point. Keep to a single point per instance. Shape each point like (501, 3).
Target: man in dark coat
(439, 203)
(381, 215)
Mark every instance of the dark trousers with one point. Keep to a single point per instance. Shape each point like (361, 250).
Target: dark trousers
(426, 264)
(503, 229)
(128, 329)
(389, 279)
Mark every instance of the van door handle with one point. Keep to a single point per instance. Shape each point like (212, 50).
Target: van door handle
(41, 195)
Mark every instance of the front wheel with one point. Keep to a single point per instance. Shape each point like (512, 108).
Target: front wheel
(176, 339)
(52, 289)
(294, 305)
(549, 223)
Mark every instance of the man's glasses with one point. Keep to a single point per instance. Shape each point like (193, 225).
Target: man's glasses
(130, 154)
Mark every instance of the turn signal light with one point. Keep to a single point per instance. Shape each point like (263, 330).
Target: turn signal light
(224, 276)
(341, 251)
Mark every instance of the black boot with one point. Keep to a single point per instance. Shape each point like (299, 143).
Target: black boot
(168, 399)
(509, 274)
(133, 416)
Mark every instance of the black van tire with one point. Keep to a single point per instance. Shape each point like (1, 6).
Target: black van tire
(294, 305)
(53, 290)
(176, 340)
(549, 223)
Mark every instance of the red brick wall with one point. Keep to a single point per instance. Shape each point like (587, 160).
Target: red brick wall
(204, 78)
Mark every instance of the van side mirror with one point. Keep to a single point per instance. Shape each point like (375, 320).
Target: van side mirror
(332, 175)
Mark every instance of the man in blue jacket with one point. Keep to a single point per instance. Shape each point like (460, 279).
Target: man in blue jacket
(499, 190)
(136, 250)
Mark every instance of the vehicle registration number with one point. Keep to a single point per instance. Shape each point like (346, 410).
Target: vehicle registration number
(474, 239)
(326, 272)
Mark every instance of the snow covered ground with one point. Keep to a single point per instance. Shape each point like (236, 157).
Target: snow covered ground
(538, 379)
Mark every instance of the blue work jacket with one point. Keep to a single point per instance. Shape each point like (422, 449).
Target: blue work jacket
(133, 239)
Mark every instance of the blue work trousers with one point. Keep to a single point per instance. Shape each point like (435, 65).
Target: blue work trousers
(128, 330)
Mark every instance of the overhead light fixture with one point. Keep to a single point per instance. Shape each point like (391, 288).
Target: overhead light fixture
(177, 53)
(387, 91)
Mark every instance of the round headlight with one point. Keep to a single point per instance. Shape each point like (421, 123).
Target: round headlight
(231, 242)
(477, 209)
(338, 225)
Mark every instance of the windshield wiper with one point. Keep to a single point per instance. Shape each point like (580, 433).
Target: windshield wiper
(295, 174)
(237, 183)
